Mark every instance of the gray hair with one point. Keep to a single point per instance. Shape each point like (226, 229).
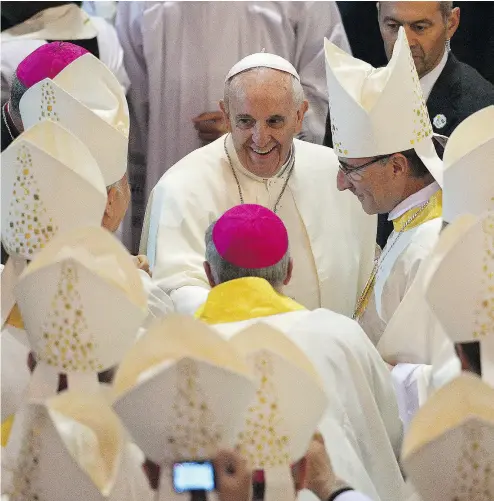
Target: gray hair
(445, 7)
(223, 271)
(233, 87)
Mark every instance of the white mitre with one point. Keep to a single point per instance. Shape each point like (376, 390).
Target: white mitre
(88, 100)
(461, 291)
(469, 167)
(379, 111)
(448, 454)
(262, 60)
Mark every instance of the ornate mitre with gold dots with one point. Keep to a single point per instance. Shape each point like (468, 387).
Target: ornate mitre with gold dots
(448, 453)
(378, 111)
(460, 291)
(87, 99)
(70, 447)
(276, 433)
(182, 392)
(82, 302)
(469, 167)
(41, 171)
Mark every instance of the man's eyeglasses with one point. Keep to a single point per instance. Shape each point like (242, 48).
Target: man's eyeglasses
(354, 173)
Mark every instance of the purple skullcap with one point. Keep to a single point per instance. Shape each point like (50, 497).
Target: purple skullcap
(250, 236)
(47, 62)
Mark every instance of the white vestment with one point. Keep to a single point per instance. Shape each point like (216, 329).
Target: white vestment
(398, 265)
(332, 241)
(361, 427)
(68, 18)
(177, 55)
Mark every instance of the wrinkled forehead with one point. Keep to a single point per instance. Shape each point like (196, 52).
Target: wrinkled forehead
(409, 12)
(262, 87)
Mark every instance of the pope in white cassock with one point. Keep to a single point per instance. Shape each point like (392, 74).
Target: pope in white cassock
(174, 94)
(248, 264)
(383, 138)
(259, 161)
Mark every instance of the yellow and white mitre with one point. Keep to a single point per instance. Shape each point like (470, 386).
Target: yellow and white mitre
(50, 184)
(71, 446)
(448, 453)
(276, 434)
(88, 100)
(194, 372)
(469, 167)
(82, 303)
(379, 111)
(460, 291)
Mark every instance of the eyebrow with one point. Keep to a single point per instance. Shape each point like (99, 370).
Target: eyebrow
(418, 21)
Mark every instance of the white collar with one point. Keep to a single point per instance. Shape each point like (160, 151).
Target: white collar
(237, 164)
(414, 200)
(428, 81)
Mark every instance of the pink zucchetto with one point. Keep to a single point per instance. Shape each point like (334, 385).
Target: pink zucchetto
(250, 236)
(47, 62)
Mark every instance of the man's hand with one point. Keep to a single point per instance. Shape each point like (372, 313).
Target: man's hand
(233, 477)
(142, 263)
(320, 477)
(210, 125)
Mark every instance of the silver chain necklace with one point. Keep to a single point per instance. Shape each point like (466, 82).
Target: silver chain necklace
(275, 208)
(6, 123)
(369, 286)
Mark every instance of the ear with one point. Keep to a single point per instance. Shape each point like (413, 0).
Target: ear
(453, 22)
(299, 473)
(209, 274)
(288, 272)
(225, 115)
(109, 209)
(400, 164)
(300, 115)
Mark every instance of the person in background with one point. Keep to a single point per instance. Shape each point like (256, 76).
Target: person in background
(174, 94)
(453, 90)
(27, 26)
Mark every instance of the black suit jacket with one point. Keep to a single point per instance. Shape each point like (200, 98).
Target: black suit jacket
(459, 92)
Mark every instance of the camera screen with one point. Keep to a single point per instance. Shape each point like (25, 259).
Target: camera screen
(193, 476)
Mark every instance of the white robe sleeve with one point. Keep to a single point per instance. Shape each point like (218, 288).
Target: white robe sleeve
(316, 20)
(159, 303)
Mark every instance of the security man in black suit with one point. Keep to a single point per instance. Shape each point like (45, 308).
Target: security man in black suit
(453, 90)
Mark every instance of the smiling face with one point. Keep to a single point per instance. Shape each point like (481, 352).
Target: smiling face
(426, 26)
(263, 118)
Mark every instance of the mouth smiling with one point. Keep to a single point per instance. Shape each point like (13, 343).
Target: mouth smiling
(262, 152)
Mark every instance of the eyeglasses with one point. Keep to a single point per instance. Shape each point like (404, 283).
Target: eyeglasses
(353, 173)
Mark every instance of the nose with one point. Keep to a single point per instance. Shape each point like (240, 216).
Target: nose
(342, 182)
(411, 36)
(260, 135)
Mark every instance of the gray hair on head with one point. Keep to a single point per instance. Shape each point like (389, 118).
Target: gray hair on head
(223, 271)
(233, 87)
(445, 7)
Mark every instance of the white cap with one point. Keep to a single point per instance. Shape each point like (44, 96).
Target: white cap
(461, 290)
(379, 111)
(87, 99)
(469, 167)
(262, 60)
(448, 452)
